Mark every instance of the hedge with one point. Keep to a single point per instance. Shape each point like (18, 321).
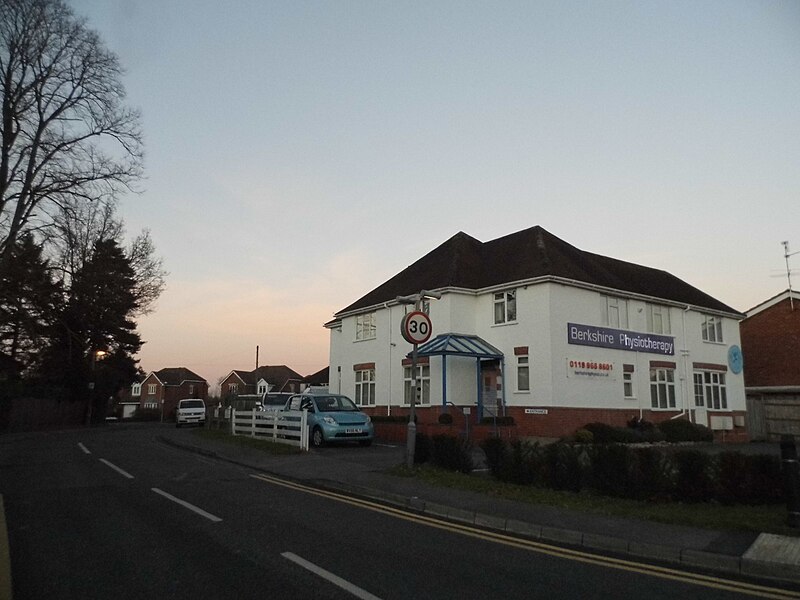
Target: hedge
(649, 473)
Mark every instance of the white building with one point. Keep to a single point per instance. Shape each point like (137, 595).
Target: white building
(534, 328)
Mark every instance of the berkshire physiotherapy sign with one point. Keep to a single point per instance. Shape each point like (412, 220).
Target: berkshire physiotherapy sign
(633, 341)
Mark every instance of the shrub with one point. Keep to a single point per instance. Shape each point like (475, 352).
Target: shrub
(497, 455)
(584, 436)
(564, 468)
(612, 470)
(527, 464)
(452, 453)
(745, 479)
(446, 419)
(693, 476)
(681, 430)
(653, 474)
(603, 433)
(422, 449)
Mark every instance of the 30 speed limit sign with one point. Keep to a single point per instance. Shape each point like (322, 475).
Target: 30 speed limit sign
(416, 327)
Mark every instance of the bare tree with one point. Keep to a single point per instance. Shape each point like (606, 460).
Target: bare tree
(66, 137)
(76, 230)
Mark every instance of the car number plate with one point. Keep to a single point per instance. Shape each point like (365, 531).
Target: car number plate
(354, 430)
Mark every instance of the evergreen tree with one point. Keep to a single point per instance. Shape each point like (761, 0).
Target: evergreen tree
(97, 318)
(29, 300)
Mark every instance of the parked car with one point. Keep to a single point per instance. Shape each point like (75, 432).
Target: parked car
(274, 401)
(333, 418)
(190, 410)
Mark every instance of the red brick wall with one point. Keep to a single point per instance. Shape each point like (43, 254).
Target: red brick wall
(558, 422)
(771, 346)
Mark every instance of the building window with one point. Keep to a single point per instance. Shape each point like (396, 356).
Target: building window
(712, 329)
(191, 389)
(365, 326)
(627, 382)
(709, 390)
(365, 387)
(233, 388)
(662, 388)
(523, 374)
(151, 405)
(423, 381)
(615, 312)
(151, 389)
(136, 389)
(658, 319)
(505, 307)
(263, 387)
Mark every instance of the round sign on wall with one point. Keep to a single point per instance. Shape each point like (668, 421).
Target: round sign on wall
(416, 327)
(735, 359)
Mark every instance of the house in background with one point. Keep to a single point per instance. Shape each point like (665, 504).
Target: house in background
(531, 327)
(161, 390)
(771, 348)
(318, 380)
(263, 379)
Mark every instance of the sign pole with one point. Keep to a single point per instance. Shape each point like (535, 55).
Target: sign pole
(416, 329)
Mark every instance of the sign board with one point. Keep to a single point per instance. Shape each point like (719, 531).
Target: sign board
(618, 339)
(535, 411)
(591, 369)
(416, 327)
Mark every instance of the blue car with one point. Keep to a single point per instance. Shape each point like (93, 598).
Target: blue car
(333, 418)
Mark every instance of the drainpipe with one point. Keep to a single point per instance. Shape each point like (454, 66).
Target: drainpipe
(685, 386)
(391, 365)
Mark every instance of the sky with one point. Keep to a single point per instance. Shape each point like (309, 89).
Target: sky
(299, 154)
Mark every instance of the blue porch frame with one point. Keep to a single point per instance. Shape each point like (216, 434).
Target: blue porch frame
(464, 346)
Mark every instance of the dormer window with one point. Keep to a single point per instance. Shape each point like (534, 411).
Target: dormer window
(136, 389)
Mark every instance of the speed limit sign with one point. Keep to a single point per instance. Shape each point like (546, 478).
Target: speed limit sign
(416, 327)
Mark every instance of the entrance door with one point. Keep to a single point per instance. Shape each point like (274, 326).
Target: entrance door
(492, 379)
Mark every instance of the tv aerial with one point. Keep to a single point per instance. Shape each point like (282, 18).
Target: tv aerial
(786, 255)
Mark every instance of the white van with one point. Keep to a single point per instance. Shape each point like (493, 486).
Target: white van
(190, 410)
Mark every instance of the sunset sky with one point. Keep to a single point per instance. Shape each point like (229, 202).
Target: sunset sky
(298, 154)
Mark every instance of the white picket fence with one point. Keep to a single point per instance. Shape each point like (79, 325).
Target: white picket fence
(284, 427)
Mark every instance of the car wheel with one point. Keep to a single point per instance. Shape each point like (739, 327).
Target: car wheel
(317, 440)
(365, 442)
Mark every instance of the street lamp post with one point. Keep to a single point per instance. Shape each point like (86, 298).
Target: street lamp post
(413, 334)
(96, 355)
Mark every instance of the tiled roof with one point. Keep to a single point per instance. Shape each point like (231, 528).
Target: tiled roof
(321, 377)
(177, 375)
(274, 375)
(464, 262)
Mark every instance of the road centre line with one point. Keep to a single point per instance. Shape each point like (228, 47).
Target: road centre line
(185, 504)
(84, 448)
(548, 549)
(116, 468)
(334, 579)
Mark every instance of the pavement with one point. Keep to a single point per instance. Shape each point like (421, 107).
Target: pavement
(361, 472)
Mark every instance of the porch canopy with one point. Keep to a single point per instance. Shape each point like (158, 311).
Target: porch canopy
(464, 346)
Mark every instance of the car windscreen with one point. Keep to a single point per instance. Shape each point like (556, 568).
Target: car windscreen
(192, 404)
(335, 403)
(275, 400)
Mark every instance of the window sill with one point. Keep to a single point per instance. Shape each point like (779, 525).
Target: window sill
(506, 324)
(372, 339)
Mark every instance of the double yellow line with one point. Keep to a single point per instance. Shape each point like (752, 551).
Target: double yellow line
(759, 591)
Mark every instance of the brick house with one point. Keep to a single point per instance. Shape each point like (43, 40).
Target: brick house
(771, 348)
(278, 378)
(531, 327)
(161, 390)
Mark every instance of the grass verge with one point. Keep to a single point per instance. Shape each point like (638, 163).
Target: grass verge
(769, 518)
(246, 441)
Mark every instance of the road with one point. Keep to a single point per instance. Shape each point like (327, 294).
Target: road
(113, 513)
